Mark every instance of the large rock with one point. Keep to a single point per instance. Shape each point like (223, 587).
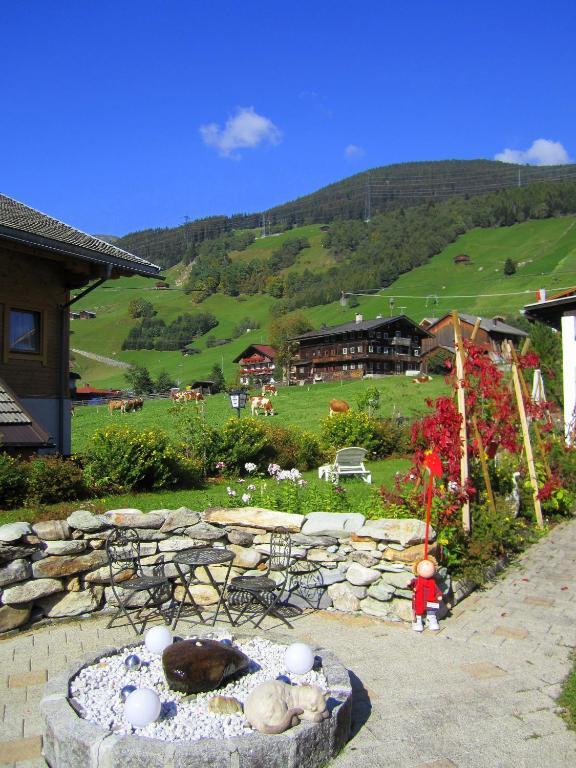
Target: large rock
(240, 537)
(343, 598)
(402, 609)
(245, 557)
(72, 547)
(364, 558)
(9, 552)
(374, 607)
(72, 603)
(360, 576)
(255, 517)
(12, 617)
(410, 554)
(28, 591)
(14, 531)
(335, 524)
(194, 666)
(102, 575)
(178, 544)
(50, 567)
(202, 594)
(205, 532)
(404, 532)
(381, 591)
(17, 570)
(314, 541)
(133, 518)
(52, 530)
(134, 599)
(177, 519)
(400, 580)
(85, 521)
(318, 555)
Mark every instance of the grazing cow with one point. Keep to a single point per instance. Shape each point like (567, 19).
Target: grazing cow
(115, 405)
(133, 404)
(263, 404)
(422, 379)
(338, 406)
(188, 396)
(269, 389)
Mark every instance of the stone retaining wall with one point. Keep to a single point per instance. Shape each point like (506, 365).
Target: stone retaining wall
(58, 568)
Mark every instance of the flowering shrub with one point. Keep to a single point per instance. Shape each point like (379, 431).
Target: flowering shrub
(120, 459)
(350, 428)
(294, 447)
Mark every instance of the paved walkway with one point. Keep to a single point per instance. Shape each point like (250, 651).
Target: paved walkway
(479, 694)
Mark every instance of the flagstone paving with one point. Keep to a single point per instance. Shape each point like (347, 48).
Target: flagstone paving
(481, 693)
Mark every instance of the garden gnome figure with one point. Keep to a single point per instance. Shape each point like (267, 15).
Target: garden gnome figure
(427, 595)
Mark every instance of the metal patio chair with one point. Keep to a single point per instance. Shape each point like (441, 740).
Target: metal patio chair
(127, 580)
(253, 598)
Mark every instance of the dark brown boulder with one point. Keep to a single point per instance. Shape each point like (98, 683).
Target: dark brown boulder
(196, 666)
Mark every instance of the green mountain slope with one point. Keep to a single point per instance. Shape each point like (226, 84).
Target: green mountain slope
(543, 250)
(355, 197)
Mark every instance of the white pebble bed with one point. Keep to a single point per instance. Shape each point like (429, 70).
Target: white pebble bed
(96, 689)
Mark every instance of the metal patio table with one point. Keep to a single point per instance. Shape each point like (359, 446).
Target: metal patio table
(186, 563)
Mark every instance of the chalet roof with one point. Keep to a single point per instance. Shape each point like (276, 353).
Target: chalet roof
(17, 427)
(23, 224)
(263, 349)
(363, 325)
(490, 326)
(551, 311)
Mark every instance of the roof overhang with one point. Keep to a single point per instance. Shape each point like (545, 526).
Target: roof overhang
(552, 311)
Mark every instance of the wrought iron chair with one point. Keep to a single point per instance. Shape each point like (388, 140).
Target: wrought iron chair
(127, 579)
(255, 597)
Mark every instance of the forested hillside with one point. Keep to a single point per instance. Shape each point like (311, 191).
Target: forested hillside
(357, 197)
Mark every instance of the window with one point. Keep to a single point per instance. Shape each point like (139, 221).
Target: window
(416, 353)
(24, 332)
(352, 366)
(344, 367)
(386, 351)
(344, 350)
(359, 349)
(370, 348)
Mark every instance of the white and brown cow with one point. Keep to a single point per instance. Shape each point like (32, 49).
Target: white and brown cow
(189, 397)
(263, 404)
(338, 406)
(268, 390)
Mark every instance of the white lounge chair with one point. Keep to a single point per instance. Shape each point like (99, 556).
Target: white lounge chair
(348, 461)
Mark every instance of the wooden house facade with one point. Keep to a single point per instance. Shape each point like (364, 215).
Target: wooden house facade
(491, 334)
(257, 365)
(380, 347)
(41, 261)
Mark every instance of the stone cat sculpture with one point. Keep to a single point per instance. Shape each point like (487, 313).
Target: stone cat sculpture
(274, 706)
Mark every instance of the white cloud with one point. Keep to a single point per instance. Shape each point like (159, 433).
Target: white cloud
(245, 130)
(542, 152)
(352, 151)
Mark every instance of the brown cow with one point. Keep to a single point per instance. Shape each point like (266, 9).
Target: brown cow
(263, 404)
(269, 389)
(338, 406)
(115, 405)
(188, 396)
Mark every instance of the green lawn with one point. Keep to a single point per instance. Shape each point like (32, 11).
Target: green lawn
(300, 406)
(568, 699)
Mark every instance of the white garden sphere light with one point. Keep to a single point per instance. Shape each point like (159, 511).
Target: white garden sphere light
(157, 639)
(142, 707)
(299, 658)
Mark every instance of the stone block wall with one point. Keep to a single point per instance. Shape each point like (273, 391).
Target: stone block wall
(58, 568)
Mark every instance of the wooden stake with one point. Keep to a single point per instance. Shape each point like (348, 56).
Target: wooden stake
(464, 472)
(475, 329)
(484, 464)
(538, 434)
(527, 443)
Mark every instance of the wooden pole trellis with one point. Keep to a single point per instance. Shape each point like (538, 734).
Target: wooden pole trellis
(526, 439)
(483, 464)
(537, 433)
(464, 470)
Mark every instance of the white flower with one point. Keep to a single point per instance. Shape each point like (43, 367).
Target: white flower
(246, 498)
(230, 491)
(453, 486)
(250, 487)
(273, 469)
(302, 482)
(249, 467)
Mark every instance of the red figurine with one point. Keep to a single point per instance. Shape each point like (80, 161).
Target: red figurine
(427, 595)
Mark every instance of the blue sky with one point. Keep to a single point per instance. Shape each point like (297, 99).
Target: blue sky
(117, 116)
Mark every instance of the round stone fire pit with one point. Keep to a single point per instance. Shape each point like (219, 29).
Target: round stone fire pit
(84, 723)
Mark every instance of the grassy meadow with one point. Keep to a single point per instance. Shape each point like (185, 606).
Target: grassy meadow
(542, 250)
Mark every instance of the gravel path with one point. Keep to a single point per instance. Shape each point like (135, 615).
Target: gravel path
(479, 694)
(101, 359)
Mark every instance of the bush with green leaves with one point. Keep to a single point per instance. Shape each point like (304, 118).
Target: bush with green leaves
(121, 459)
(293, 447)
(353, 428)
(13, 481)
(52, 479)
